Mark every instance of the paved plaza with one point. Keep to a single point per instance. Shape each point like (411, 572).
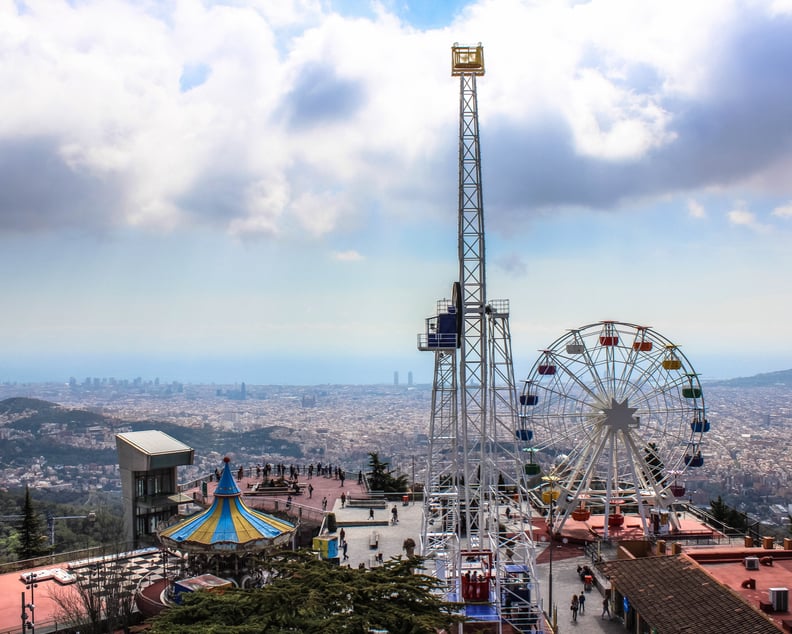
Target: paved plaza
(566, 581)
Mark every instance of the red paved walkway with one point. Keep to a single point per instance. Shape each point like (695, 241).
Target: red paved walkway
(323, 487)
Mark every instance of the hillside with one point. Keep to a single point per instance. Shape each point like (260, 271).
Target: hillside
(65, 436)
(781, 378)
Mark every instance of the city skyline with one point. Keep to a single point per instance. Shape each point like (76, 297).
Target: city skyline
(246, 192)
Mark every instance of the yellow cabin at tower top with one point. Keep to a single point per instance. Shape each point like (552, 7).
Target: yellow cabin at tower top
(467, 59)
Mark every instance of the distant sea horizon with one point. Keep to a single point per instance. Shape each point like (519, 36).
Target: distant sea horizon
(300, 371)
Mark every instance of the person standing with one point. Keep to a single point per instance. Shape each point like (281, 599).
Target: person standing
(371, 513)
(344, 548)
(582, 603)
(574, 607)
(395, 515)
(606, 608)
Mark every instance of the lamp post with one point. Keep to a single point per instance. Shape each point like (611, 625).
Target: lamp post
(550, 532)
(552, 479)
(91, 517)
(24, 614)
(30, 584)
(412, 487)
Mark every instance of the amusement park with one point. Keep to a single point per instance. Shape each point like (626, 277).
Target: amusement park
(580, 465)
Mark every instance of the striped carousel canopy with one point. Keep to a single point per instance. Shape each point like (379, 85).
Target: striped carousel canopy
(228, 525)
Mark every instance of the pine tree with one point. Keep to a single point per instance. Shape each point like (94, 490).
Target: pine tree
(32, 539)
(313, 597)
(381, 478)
(719, 509)
(654, 462)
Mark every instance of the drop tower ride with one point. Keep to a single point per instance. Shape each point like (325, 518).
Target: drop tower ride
(476, 532)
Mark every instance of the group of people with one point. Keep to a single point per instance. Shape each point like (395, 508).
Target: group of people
(578, 606)
(578, 602)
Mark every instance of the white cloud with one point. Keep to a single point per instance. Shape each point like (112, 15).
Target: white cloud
(742, 217)
(696, 209)
(295, 100)
(784, 211)
(781, 7)
(317, 212)
(612, 122)
(348, 256)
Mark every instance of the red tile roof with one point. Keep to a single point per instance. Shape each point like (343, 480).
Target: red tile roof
(675, 595)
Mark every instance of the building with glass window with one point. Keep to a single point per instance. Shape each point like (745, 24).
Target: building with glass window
(148, 461)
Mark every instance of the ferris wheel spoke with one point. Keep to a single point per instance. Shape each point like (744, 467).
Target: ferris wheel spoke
(559, 363)
(670, 389)
(557, 393)
(627, 368)
(569, 434)
(639, 469)
(647, 374)
(589, 457)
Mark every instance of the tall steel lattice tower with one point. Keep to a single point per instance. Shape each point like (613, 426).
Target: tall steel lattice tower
(476, 533)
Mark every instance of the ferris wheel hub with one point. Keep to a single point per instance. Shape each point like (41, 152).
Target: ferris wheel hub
(620, 416)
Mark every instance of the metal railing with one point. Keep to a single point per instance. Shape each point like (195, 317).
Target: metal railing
(48, 560)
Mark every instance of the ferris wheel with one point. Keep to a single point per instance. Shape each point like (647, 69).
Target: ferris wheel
(617, 414)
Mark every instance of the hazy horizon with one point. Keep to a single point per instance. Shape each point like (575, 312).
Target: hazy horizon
(304, 372)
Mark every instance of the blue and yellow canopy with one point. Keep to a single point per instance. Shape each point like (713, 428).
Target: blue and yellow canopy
(228, 525)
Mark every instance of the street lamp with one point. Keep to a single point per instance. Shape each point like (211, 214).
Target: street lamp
(91, 517)
(552, 479)
(550, 532)
(30, 584)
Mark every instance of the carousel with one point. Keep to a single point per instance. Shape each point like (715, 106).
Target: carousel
(221, 543)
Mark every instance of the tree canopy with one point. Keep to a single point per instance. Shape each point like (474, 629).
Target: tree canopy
(729, 516)
(381, 478)
(315, 597)
(32, 538)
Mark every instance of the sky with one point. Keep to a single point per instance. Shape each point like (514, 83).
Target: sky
(267, 191)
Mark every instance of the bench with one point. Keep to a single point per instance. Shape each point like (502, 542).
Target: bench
(267, 490)
(367, 503)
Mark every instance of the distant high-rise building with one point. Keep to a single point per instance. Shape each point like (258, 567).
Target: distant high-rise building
(409, 379)
(396, 378)
(309, 400)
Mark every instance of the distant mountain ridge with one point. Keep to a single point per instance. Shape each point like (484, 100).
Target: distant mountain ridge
(21, 404)
(781, 378)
